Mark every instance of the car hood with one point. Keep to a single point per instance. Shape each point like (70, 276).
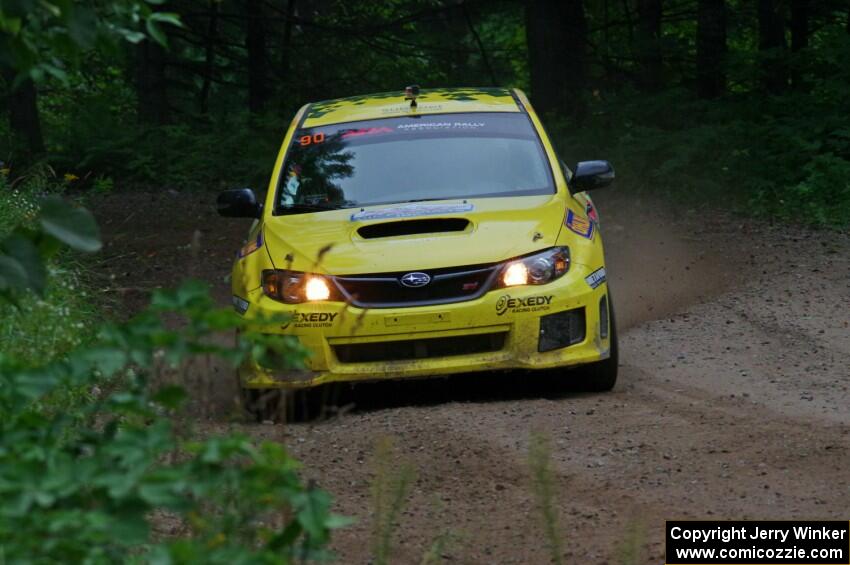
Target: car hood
(486, 230)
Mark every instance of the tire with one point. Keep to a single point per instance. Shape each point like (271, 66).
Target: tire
(602, 375)
(264, 404)
(276, 405)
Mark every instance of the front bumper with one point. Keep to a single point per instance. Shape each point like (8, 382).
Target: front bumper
(498, 331)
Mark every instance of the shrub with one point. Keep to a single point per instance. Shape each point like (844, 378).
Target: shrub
(85, 483)
(784, 157)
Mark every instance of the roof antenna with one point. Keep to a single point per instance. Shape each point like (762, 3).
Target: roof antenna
(410, 93)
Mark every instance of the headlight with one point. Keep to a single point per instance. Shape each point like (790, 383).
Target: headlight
(541, 268)
(316, 288)
(293, 287)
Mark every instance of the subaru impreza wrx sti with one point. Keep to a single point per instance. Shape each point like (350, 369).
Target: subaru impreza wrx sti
(425, 233)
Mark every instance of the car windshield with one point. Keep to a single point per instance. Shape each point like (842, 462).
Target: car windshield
(411, 159)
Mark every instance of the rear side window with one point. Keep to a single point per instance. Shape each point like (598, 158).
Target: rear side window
(413, 158)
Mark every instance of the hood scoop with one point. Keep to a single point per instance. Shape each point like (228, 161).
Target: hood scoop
(413, 227)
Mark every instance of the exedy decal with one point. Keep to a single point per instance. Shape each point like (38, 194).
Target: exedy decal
(311, 320)
(528, 304)
(579, 225)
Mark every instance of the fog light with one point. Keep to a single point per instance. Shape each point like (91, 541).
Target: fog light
(316, 289)
(516, 274)
(561, 330)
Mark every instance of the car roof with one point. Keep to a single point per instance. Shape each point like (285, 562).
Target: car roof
(393, 104)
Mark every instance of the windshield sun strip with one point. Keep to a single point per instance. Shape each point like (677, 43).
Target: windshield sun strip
(279, 210)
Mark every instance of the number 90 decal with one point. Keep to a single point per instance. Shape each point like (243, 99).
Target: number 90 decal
(305, 140)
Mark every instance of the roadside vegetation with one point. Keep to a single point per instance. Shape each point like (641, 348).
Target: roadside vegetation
(94, 466)
(45, 326)
(87, 478)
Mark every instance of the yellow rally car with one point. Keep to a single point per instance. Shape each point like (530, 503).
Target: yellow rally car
(414, 234)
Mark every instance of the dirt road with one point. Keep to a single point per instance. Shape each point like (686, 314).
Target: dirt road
(733, 400)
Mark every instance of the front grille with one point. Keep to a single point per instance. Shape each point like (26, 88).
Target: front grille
(454, 284)
(420, 348)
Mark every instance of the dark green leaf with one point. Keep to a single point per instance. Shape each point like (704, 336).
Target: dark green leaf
(24, 251)
(170, 396)
(13, 275)
(75, 227)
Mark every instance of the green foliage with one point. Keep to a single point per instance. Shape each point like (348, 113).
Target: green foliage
(74, 492)
(44, 326)
(632, 547)
(90, 482)
(22, 252)
(41, 39)
(103, 185)
(543, 486)
(785, 157)
(217, 155)
(389, 491)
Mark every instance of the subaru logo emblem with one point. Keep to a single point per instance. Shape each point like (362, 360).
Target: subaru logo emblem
(415, 280)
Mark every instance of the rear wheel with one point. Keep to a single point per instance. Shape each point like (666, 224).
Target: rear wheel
(602, 375)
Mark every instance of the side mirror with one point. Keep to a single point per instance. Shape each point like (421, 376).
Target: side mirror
(592, 174)
(238, 203)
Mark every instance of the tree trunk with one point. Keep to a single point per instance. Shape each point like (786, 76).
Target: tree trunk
(209, 58)
(799, 40)
(151, 84)
(286, 44)
(24, 120)
(556, 34)
(485, 60)
(649, 44)
(774, 70)
(255, 43)
(799, 24)
(711, 48)
(455, 61)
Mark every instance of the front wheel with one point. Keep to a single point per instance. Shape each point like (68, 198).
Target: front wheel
(602, 375)
(264, 404)
(276, 405)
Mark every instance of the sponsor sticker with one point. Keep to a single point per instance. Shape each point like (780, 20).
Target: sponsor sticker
(579, 225)
(596, 278)
(591, 212)
(411, 211)
(311, 320)
(519, 305)
(364, 131)
(430, 126)
(405, 108)
(240, 304)
(251, 246)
